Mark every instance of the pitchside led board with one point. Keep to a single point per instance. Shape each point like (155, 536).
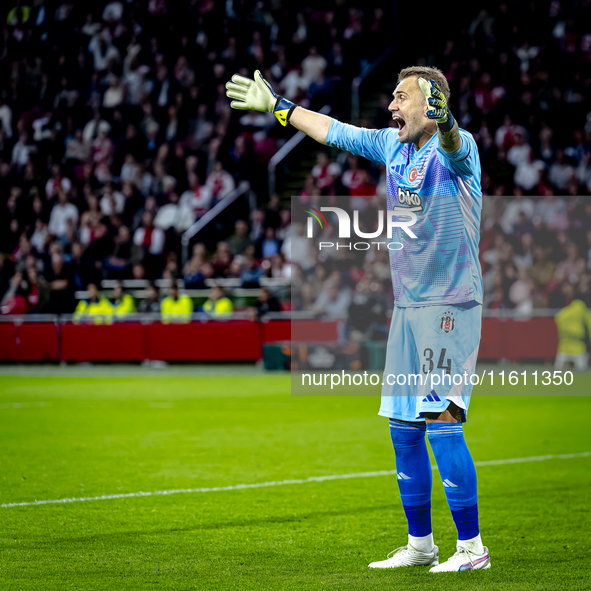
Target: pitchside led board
(342, 301)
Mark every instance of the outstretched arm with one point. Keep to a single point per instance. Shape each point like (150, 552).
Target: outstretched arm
(258, 95)
(312, 124)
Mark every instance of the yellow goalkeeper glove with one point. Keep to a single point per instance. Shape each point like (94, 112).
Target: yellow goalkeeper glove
(258, 95)
(438, 109)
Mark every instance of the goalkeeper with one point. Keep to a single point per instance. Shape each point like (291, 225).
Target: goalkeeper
(433, 176)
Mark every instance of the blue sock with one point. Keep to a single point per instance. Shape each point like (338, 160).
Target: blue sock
(413, 469)
(458, 474)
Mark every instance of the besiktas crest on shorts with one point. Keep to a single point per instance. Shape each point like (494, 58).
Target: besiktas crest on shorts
(447, 322)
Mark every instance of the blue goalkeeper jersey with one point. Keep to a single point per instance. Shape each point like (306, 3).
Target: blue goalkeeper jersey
(441, 265)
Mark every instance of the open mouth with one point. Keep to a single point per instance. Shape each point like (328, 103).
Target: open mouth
(400, 122)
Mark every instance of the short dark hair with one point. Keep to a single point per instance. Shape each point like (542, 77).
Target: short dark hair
(428, 73)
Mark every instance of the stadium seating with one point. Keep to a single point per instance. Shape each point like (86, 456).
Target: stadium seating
(112, 153)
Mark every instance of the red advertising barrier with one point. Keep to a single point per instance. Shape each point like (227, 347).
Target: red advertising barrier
(232, 340)
(532, 339)
(491, 341)
(103, 342)
(300, 330)
(517, 340)
(31, 341)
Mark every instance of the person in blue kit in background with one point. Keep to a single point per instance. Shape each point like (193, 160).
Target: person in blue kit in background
(433, 173)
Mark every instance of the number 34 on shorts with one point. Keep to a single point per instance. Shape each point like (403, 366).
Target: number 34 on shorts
(433, 341)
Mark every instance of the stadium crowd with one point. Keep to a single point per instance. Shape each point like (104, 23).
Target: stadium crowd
(116, 136)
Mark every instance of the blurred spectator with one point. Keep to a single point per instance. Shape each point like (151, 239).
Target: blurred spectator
(325, 173)
(118, 265)
(546, 150)
(221, 260)
(175, 214)
(520, 294)
(574, 327)
(112, 201)
(294, 84)
(523, 225)
(511, 215)
(528, 171)
(313, 65)
(217, 305)
(171, 267)
(122, 303)
(22, 151)
(273, 212)
(36, 290)
(61, 213)
(113, 96)
(197, 198)
(257, 231)
(193, 274)
(270, 245)
(296, 247)
(280, 268)
(77, 151)
(239, 241)
(520, 150)
(57, 182)
(84, 268)
(251, 273)
(504, 137)
(96, 307)
(571, 268)
(367, 315)
(59, 278)
(151, 304)
(561, 296)
(334, 301)
(220, 182)
(266, 303)
(15, 300)
(552, 212)
(284, 229)
(560, 172)
(542, 271)
(357, 181)
(102, 153)
(149, 245)
(175, 307)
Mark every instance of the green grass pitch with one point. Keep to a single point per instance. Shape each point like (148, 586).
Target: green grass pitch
(67, 436)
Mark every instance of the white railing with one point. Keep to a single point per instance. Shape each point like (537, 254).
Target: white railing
(139, 287)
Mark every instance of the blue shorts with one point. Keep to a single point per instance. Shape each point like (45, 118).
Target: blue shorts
(427, 347)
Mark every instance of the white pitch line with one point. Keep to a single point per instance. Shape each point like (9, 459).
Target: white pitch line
(175, 491)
